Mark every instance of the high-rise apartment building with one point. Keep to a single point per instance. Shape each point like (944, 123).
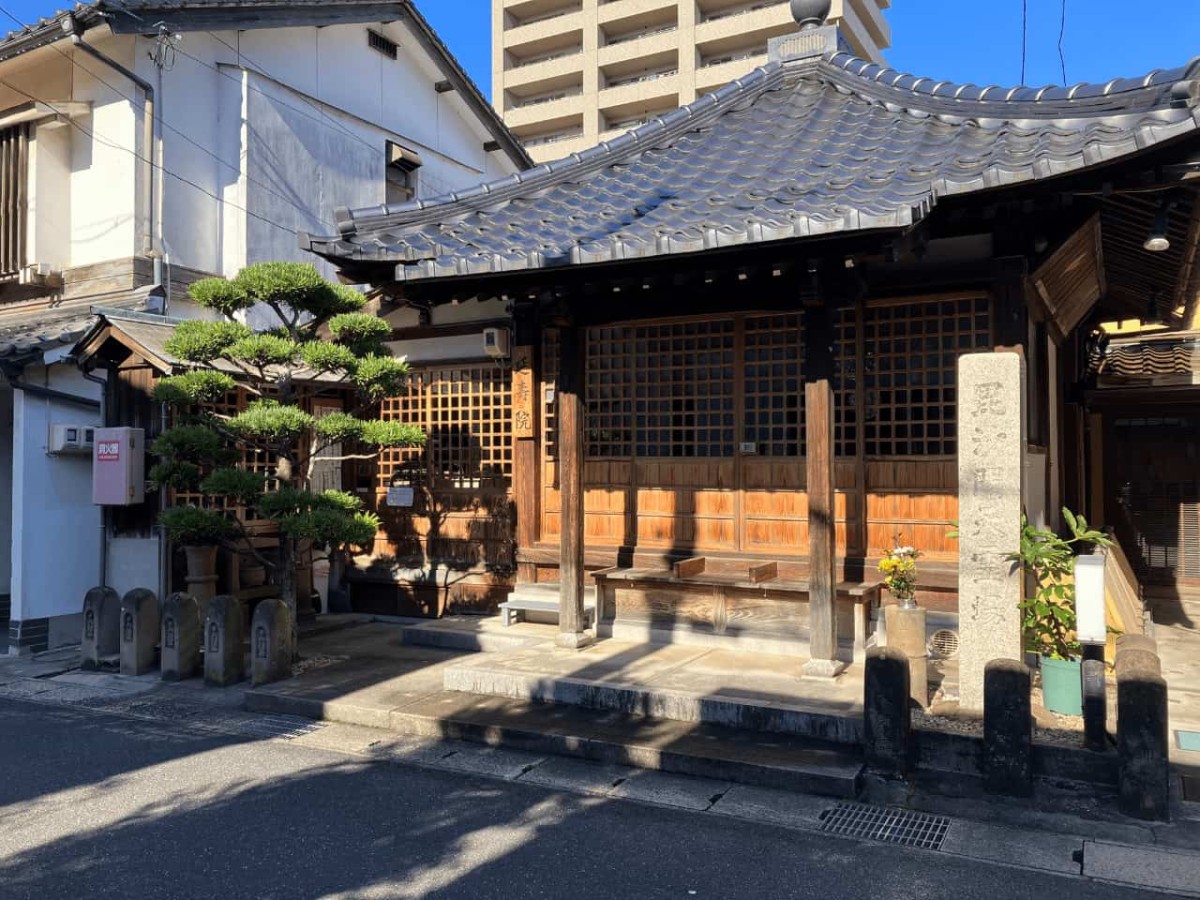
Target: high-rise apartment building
(567, 74)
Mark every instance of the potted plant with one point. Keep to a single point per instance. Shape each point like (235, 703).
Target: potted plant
(200, 532)
(899, 569)
(1048, 613)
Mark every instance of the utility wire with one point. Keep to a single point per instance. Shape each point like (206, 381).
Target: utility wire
(1024, 36)
(110, 143)
(162, 121)
(1062, 33)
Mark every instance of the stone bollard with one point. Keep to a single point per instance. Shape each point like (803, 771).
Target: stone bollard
(1007, 728)
(139, 631)
(181, 637)
(224, 653)
(906, 632)
(101, 627)
(270, 643)
(888, 716)
(1142, 737)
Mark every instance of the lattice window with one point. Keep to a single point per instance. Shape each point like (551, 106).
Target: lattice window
(910, 372)
(249, 457)
(610, 367)
(14, 174)
(661, 390)
(845, 383)
(465, 412)
(774, 403)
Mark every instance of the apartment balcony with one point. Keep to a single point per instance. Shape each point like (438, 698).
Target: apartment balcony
(763, 23)
(711, 77)
(544, 30)
(616, 10)
(557, 68)
(556, 147)
(536, 111)
(648, 44)
(650, 91)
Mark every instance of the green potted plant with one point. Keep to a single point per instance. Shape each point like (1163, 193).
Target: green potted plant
(1048, 613)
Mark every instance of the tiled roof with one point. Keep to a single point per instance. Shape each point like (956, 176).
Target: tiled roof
(813, 146)
(31, 330)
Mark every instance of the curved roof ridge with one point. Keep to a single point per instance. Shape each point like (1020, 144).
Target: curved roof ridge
(662, 127)
(1115, 94)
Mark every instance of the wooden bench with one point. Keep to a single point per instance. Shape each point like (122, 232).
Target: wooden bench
(761, 580)
(514, 609)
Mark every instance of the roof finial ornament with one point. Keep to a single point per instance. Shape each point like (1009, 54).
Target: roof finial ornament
(811, 13)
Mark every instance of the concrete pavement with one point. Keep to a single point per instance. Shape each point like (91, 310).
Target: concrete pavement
(112, 806)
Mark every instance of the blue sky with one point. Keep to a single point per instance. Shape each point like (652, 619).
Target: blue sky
(955, 40)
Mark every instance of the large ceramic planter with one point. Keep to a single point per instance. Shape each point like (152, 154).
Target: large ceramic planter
(201, 573)
(1062, 686)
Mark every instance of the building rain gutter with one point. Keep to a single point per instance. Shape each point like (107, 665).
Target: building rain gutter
(71, 28)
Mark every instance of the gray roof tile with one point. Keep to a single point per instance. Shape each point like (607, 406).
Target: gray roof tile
(794, 149)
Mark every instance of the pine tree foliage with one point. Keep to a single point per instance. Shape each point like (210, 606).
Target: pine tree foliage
(321, 342)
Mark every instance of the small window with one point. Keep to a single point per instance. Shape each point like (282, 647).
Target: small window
(403, 165)
(386, 46)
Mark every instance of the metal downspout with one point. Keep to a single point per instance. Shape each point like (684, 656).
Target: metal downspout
(71, 28)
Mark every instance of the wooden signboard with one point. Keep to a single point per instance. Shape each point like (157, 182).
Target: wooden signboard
(522, 392)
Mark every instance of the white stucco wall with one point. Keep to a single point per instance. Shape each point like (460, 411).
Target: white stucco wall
(55, 527)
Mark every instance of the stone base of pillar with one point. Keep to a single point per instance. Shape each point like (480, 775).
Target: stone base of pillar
(573, 641)
(826, 669)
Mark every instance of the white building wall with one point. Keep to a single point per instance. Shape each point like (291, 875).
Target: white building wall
(55, 527)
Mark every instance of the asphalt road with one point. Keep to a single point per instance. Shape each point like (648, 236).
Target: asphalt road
(94, 805)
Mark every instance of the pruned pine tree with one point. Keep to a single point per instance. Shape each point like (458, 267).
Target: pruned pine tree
(323, 340)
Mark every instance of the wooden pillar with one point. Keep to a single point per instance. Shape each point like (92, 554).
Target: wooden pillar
(822, 535)
(572, 625)
(526, 469)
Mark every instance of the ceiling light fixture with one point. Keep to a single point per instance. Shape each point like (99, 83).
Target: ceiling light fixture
(1158, 241)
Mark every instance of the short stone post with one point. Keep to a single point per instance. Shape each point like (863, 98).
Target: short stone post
(180, 638)
(1095, 701)
(1142, 737)
(139, 631)
(101, 627)
(1008, 728)
(991, 450)
(906, 633)
(270, 643)
(224, 653)
(890, 749)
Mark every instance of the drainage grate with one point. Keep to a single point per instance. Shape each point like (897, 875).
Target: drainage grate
(943, 644)
(881, 823)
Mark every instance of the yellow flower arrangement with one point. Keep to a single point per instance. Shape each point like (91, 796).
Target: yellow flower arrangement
(898, 566)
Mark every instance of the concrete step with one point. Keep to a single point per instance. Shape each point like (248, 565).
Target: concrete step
(482, 676)
(707, 751)
(474, 634)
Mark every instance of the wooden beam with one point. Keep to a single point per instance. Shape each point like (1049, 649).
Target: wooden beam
(526, 487)
(1187, 294)
(571, 621)
(764, 572)
(690, 568)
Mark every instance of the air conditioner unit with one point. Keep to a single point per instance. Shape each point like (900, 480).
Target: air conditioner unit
(72, 440)
(495, 342)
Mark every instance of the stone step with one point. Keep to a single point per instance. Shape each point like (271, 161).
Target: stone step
(548, 592)
(474, 634)
(481, 676)
(706, 751)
